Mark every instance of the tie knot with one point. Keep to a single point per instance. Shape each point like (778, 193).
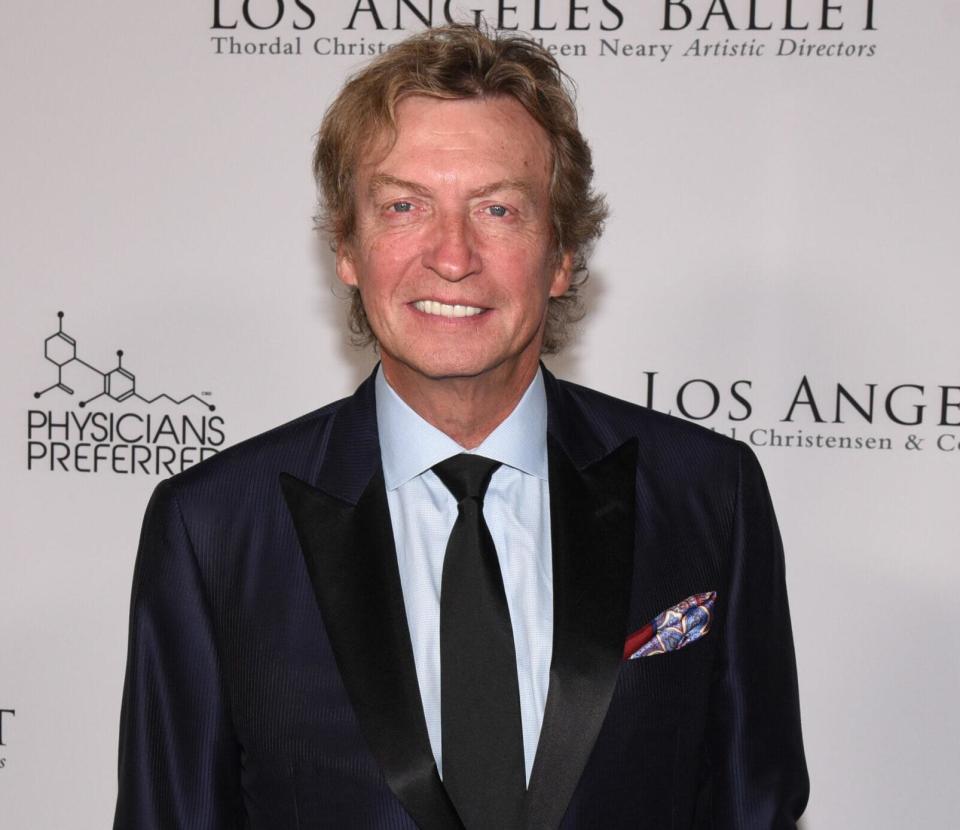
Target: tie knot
(466, 476)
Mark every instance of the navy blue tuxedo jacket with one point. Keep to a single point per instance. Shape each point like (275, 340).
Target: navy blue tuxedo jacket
(270, 679)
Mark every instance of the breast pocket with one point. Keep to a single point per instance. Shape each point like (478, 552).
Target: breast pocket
(658, 690)
(636, 759)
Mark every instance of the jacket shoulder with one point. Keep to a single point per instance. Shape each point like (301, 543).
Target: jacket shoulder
(294, 447)
(688, 476)
(684, 461)
(617, 421)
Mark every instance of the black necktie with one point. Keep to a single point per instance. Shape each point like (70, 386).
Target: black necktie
(483, 769)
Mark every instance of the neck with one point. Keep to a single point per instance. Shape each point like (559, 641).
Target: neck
(467, 409)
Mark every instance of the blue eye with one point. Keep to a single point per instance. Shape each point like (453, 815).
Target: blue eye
(497, 210)
(401, 207)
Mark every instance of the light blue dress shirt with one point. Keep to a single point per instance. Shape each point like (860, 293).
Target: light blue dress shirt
(517, 510)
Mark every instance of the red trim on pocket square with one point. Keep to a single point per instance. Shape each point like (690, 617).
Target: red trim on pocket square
(637, 640)
(684, 623)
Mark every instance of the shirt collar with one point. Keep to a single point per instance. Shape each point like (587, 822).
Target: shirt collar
(409, 445)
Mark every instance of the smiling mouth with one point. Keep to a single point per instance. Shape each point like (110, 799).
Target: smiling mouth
(443, 310)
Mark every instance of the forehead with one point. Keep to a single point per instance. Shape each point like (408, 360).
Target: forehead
(468, 137)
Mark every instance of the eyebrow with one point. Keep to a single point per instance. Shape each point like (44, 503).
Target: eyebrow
(379, 181)
(505, 184)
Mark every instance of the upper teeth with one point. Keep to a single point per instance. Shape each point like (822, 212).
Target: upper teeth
(444, 310)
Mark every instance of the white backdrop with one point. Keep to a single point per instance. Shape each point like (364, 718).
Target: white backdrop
(775, 217)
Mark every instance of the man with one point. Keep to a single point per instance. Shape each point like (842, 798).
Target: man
(417, 606)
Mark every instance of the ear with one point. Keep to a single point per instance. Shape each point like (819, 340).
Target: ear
(562, 275)
(346, 268)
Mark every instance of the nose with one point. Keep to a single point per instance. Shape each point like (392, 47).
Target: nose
(451, 250)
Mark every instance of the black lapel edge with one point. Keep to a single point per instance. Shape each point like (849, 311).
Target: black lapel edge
(352, 450)
(351, 559)
(592, 526)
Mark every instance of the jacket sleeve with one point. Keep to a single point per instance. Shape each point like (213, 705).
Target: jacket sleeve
(759, 772)
(178, 760)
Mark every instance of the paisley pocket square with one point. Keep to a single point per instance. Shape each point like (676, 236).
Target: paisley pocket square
(684, 623)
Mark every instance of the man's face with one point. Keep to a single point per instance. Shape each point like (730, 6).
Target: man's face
(453, 253)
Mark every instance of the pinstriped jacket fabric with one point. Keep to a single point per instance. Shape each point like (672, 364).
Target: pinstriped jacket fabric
(270, 680)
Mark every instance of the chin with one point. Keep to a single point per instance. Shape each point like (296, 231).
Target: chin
(440, 369)
(447, 364)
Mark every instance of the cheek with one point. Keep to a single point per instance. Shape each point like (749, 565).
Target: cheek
(378, 273)
(390, 256)
(530, 277)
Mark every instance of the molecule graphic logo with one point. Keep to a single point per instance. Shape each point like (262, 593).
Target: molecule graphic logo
(119, 383)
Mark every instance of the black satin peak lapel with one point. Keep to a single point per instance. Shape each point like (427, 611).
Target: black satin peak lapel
(351, 559)
(592, 526)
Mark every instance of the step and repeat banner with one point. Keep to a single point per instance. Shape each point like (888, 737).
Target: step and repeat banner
(779, 265)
